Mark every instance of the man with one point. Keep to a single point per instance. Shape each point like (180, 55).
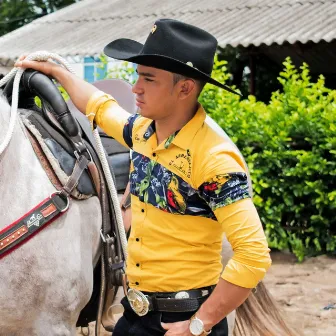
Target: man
(188, 187)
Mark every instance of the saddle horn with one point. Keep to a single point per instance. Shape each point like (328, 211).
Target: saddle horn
(43, 87)
(34, 83)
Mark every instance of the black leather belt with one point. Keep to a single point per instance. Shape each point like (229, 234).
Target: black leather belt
(183, 301)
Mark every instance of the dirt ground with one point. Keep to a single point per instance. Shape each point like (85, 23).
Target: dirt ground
(304, 291)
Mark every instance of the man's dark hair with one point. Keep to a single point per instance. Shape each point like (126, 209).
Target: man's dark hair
(178, 77)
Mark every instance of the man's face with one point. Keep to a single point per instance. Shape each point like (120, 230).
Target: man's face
(155, 92)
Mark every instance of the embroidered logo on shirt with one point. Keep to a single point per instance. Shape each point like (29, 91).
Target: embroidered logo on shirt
(182, 163)
(139, 139)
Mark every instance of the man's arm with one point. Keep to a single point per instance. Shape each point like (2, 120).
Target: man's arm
(226, 191)
(247, 267)
(225, 298)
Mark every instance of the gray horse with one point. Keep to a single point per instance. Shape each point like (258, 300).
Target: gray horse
(46, 282)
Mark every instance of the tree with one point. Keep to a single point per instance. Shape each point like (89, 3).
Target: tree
(239, 66)
(16, 13)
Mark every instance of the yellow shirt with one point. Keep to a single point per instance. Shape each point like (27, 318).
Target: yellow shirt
(186, 192)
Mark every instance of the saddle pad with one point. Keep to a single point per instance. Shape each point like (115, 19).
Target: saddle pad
(59, 159)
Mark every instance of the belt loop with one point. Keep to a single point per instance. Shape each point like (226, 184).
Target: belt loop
(153, 299)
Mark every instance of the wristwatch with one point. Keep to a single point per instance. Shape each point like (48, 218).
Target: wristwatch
(196, 327)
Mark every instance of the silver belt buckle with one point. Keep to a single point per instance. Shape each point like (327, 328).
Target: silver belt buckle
(138, 302)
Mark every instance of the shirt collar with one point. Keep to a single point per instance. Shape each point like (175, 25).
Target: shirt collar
(150, 130)
(185, 135)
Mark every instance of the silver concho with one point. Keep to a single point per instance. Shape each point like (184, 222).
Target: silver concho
(182, 295)
(138, 301)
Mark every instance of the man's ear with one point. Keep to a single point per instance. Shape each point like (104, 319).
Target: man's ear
(188, 86)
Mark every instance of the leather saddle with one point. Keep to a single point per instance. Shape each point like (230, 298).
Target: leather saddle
(52, 134)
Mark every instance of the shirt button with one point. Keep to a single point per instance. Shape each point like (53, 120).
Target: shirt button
(137, 239)
(137, 283)
(137, 265)
(142, 210)
(154, 154)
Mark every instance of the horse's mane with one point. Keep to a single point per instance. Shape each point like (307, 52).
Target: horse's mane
(3, 101)
(4, 108)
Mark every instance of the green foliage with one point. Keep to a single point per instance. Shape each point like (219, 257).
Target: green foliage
(122, 70)
(290, 147)
(16, 13)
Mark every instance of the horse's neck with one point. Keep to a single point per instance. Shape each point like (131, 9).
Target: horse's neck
(4, 117)
(23, 182)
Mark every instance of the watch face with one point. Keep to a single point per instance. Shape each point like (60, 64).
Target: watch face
(196, 327)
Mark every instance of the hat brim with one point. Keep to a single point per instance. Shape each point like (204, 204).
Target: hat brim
(130, 50)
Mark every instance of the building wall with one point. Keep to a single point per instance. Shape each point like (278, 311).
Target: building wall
(92, 69)
(88, 68)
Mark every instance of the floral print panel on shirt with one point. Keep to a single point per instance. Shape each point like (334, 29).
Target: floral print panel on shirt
(128, 130)
(225, 189)
(156, 185)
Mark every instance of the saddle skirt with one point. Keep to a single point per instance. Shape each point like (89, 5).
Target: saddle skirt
(55, 154)
(58, 159)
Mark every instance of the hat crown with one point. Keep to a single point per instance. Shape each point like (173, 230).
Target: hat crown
(172, 46)
(183, 42)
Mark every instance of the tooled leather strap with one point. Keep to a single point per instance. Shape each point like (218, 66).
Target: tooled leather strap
(19, 232)
(44, 162)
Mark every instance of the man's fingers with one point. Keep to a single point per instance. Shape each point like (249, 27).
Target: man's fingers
(22, 57)
(28, 64)
(166, 326)
(45, 67)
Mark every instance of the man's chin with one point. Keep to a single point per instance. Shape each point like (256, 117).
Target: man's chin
(144, 113)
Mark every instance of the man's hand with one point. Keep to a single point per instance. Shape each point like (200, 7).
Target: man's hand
(48, 68)
(177, 328)
(78, 90)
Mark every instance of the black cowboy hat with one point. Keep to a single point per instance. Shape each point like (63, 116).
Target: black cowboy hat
(173, 46)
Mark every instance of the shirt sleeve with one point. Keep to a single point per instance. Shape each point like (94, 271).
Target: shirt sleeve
(111, 117)
(225, 189)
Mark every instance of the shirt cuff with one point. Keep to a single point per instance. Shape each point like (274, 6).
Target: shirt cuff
(244, 275)
(97, 99)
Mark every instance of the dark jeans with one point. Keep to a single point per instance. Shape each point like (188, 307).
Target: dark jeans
(130, 324)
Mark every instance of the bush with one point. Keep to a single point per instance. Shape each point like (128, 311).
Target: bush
(290, 147)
